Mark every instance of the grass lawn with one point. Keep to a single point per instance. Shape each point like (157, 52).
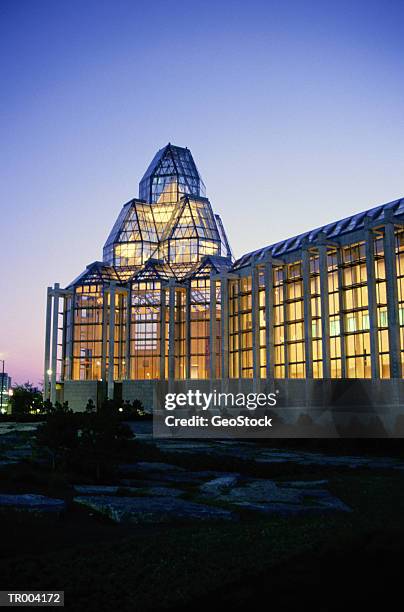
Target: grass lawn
(291, 563)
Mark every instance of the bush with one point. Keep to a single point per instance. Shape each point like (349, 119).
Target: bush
(134, 411)
(86, 441)
(59, 434)
(26, 399)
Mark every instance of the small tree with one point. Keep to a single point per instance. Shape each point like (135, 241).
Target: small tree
(26, 399)
(90, 406)
(59, 435)
(47, 406)
(83, 440)
(101, 436)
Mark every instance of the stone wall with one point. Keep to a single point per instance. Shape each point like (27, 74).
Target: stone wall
(336, 404)
(78, 392)
(143, 390)
(360, 407)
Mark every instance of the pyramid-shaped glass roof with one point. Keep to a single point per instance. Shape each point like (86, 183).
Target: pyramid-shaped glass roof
(171, 174)
(167, 231)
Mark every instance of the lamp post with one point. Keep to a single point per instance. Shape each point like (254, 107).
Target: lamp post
(48, 383)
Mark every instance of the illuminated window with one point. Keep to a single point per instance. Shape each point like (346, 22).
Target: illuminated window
(356, 315)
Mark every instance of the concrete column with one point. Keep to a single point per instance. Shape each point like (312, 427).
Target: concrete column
(104, 334)
(392, 301)
(341, 312)
(111, 351)
(269, 319)
(171, 332)
(47, 353)
(128, 331)
(162, 333)
(372, 303)
(308, 330)
(64, 340)
(325, 310)
(255, 326)
(224, 299)
(285, 318)
(188, 332)
(55, 330)
(239, 325)
(70, 339)
(212, 329)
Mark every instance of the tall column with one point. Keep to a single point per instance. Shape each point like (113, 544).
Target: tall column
(171, 332)
(372, 303)
(212, 329)
(104, 334)
(55, 329)
(308, 332)
(239, 327)
(188, 332)
(269, 319)
(285, 318)
(128, 331)
(111, 351)
(255, 326)
(163, 333)
(64, 324)
(224, 321)
(47, 343)
(392, 300)
(70, 339)
(325, 310)
(341, 312)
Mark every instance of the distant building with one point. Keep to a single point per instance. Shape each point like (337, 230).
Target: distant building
(320, 315)
(5, 386)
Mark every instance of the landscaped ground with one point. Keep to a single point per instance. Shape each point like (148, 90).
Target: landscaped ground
(192, 524)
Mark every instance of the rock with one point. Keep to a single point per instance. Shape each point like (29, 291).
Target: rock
(96, 489)
(261, 490)
(285, 498)
(18, 453)
(147, 466)
(349, 461)
(17, 428)
(160, 492)
(31, 502)
(152, 509)
(7, 462)
(140, 483)
(303, 484)
(220, 484)
(165, 472)
(125, 490)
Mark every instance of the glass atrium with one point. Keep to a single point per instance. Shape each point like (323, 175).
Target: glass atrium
(168, 302)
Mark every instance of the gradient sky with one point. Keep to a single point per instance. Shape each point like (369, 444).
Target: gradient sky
(294, 112)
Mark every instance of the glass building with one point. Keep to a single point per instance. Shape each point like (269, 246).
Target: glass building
(168, 302)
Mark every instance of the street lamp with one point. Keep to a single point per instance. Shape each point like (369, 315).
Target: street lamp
(48, 383)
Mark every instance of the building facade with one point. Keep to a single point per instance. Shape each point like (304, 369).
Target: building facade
(5, 390)
(168, 305)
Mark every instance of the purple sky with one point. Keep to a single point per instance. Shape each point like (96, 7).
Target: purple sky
(294, 112)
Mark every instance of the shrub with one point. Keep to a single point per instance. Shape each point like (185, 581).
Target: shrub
(84, 441)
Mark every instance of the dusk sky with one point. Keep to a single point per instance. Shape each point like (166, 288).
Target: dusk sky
(294, 113)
